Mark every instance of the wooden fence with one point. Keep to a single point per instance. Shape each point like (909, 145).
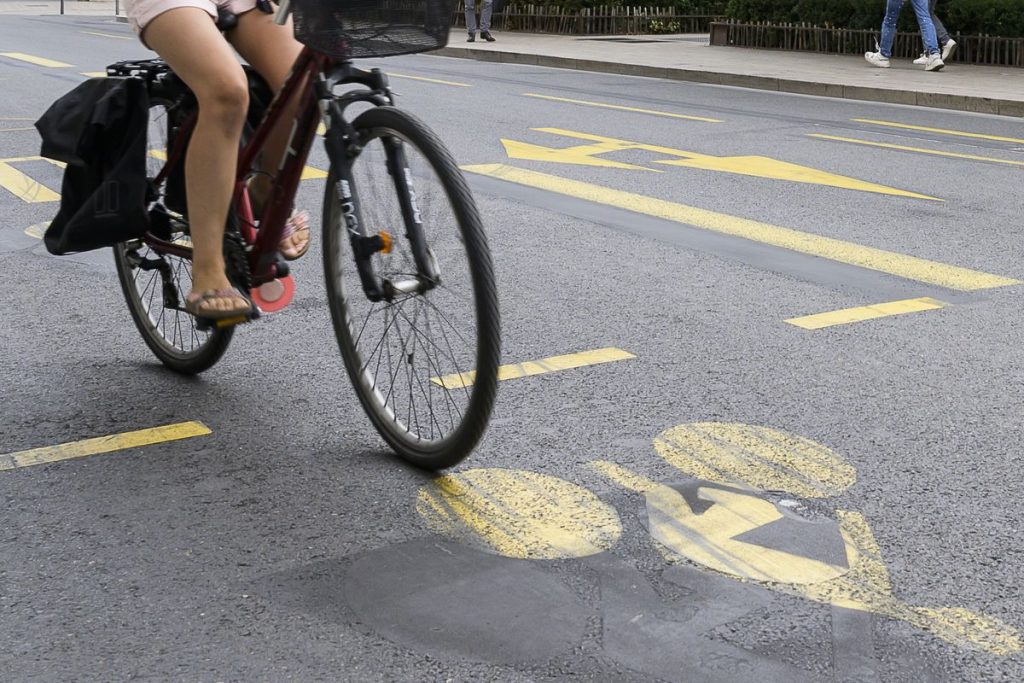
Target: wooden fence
(594, 20)
(990, 50)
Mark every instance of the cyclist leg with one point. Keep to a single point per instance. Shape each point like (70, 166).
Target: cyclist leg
(272, 50)
(188, 40)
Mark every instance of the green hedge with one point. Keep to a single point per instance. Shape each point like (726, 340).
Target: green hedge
(681, 6)
(965, 17)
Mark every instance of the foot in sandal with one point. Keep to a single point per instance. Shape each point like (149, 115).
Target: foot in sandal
(218, 304)
(295, 242)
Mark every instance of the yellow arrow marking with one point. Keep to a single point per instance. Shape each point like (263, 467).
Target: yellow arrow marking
(756, 166)
(581, 155)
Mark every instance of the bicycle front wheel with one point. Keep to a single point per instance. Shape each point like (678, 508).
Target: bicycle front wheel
(424, 363)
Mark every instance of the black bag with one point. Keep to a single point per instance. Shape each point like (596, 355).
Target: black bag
(99, 130)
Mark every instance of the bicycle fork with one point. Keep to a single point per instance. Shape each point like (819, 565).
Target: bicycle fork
(343, 148)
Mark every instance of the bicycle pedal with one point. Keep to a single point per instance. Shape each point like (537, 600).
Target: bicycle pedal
(206, 324)
(275, 295)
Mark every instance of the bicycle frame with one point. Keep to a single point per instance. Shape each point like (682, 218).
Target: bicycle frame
(311, 82)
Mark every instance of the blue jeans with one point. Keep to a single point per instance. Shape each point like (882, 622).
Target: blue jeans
(924, 22)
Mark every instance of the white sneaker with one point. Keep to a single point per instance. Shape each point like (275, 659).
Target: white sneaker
(934, 63)
(922, 60)
(876, 59)
(948, 49)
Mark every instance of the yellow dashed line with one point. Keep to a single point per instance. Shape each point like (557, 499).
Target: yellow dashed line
(94, 74)
(862, 313)
(540, 367)
(622, 108)
(919, 150)
(942, 131)
(22, 186)
(38, 61)
(107, 35)
(103, 444)
(429, 80)
(901, 265)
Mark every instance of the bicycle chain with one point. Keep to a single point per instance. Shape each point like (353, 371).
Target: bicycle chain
(237, 260)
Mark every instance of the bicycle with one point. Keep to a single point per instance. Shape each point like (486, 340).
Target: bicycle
(409, 275)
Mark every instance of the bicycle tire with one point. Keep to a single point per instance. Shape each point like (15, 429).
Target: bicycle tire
(425, 443)
(169, 332)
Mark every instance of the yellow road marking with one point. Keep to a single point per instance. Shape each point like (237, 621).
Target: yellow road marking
(936, 152)
(107, 35)
(103, 444)
(519, 514)
(391, 74)
(38, 230)
(747, 457)
(22, 186)
(622, 108)
(14, 130)
(861, 313)
(758, 457)
(901, 265)
(94, 74)
(757, 166)
(539, 367)
(31, 59)
(943, 131)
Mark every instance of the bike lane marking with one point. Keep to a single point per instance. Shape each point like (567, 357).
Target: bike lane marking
(618, 107)
(892, 263)
(723, 520)
(38, 61)
(102, 444)
(519, 514)
(438, 81)
(22, 185)
(919, 150)
(568, 361)
(941, 131)
(858, 314)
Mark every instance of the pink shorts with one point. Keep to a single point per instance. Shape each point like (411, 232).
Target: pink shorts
(141, 12)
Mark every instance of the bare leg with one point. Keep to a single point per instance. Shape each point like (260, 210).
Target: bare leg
(190, 42)
(271, 50)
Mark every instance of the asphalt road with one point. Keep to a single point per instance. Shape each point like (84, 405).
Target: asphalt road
(750, 497)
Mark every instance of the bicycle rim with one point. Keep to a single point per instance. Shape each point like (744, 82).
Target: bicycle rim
(423, 364)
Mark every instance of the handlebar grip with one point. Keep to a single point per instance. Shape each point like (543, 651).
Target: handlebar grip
(284, 8)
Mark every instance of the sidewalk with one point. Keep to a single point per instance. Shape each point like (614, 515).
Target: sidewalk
(988, 89)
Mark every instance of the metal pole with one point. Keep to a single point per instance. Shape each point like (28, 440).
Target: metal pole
(62, 6)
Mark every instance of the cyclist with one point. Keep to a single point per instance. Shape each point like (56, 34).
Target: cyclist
(185, 35)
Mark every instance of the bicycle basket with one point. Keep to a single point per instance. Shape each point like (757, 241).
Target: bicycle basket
(347, 29)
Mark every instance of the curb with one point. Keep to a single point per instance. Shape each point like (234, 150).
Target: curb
(983, 105)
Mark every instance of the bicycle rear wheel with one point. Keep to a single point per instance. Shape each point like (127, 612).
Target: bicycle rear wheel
(424, 363)
(155, 284)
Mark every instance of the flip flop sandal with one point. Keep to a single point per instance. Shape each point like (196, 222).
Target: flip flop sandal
(194, 302)
(297, 222)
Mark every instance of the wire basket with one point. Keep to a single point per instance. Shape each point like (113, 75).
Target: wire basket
(348, 29)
